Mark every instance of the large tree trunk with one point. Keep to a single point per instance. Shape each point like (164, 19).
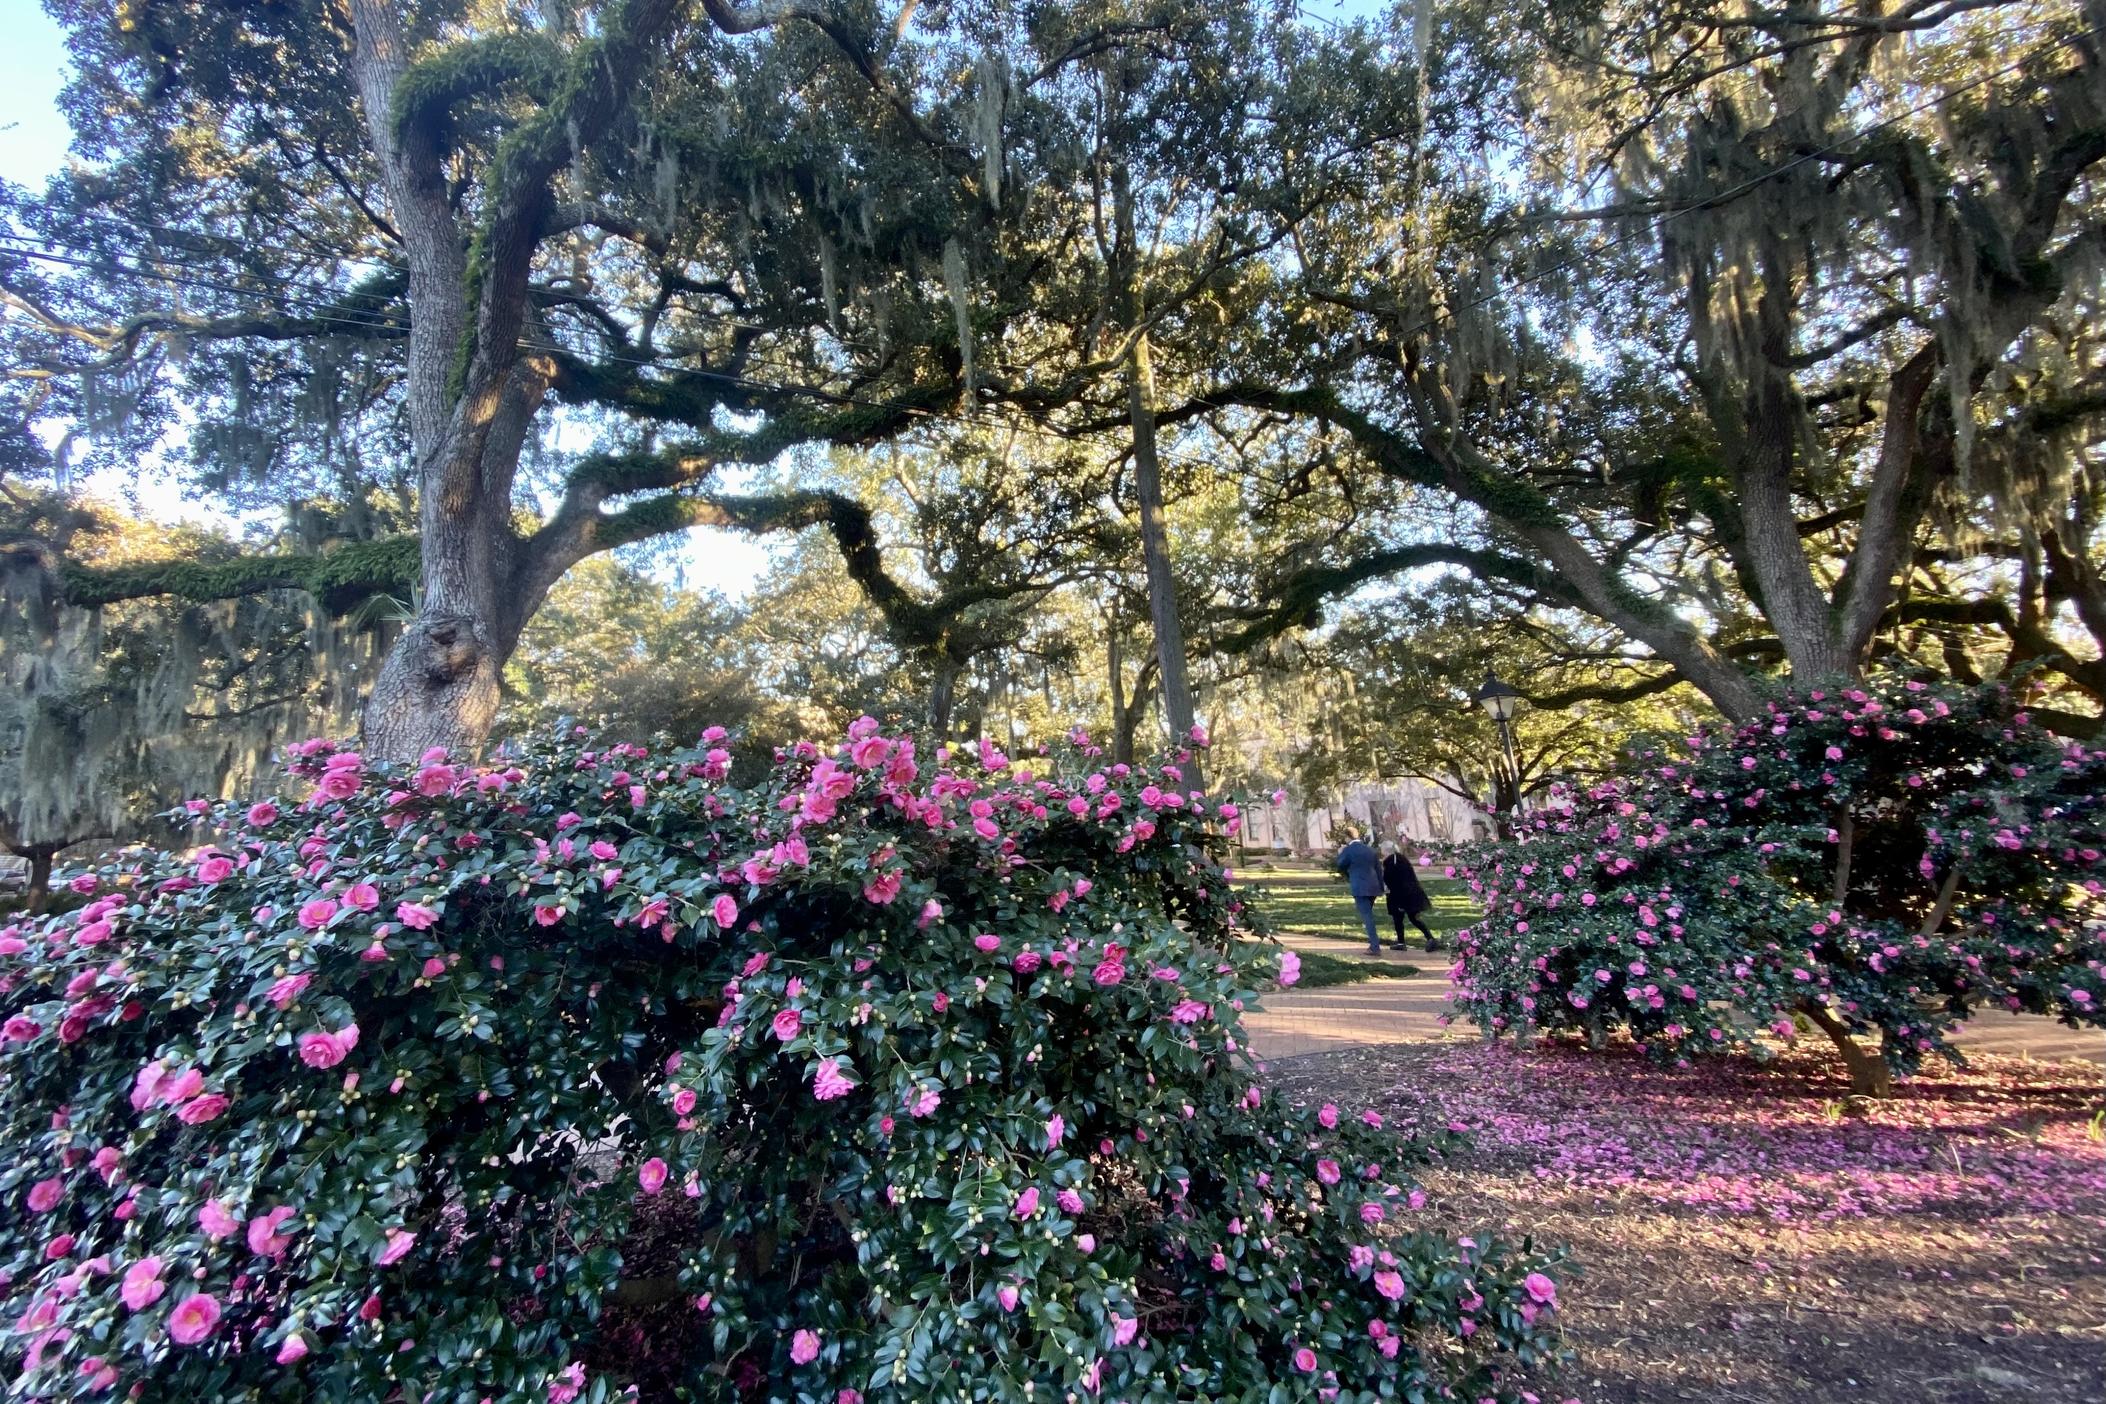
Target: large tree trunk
(473, 395)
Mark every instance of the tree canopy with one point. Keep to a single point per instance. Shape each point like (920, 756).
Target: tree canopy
(1143, 349)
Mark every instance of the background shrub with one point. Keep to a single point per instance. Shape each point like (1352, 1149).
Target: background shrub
(1879, 860)
(889, 1082)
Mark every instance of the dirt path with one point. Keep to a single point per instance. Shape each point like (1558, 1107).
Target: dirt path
(1736, 1237)
(1294, 1022)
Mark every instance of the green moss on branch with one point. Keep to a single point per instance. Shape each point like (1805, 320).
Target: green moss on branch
(340, 580)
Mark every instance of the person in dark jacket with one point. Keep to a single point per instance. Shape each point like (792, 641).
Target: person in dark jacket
(1363, 870)
(1407, 899)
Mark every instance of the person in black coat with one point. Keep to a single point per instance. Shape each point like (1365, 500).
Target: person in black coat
(1407, 899)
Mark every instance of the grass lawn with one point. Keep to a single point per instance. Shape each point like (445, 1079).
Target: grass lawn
(1303, 898)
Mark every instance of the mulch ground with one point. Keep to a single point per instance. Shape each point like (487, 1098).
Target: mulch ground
(1743, 1232)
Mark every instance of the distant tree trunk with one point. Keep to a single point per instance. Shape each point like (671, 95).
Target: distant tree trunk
(943, 696)
(1115, 666)
(39, 891)
(1869, 1074)
(1148, 475)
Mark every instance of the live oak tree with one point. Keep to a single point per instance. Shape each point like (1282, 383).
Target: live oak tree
(1788, 326)
(705, 249)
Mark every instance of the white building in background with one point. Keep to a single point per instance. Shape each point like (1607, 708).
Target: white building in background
(1416, 811)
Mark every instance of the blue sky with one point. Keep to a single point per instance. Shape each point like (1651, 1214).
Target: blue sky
(33, 136)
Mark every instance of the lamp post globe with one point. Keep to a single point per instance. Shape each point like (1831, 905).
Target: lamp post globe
(1497, 699)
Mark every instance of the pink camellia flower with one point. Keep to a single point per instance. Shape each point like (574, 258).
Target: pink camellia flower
(326, 1050)
(399, 1243)
(987, 942)
(830, 1082)
(146, 1087)
(651, 1175)
(923, 1100)
(931, 913)
(20, 1029)
(1026, 1203)
(1069, 1201)
(1327, 1116)
(568, 1384)
(882, 889)
(341, 780)
(217, 868)
(1305, 1360)
(1087, 1242)
(214, 1219)
(315, 914)
(262, 814)
(786, 1024)
(1056, 1128)
(546, 914)
(362, 896)
(1124, 1329)
(1027, 961)
(1007, 1296)
(201, 1109)
(723, 910)
(416, 916)
(193, 1319)
(1290, 967)
(1541, 1289)
(264, 1239)
(287, 990)
(804, 1347)
(684, 1101)
(1327, 1171)
(1108, 972)
(142, 1284)
(433, 968)
(44, 1195)
(293, 1351)
(1390, 1285)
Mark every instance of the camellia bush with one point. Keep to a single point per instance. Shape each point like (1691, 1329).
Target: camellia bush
(875, 1081)
(1879, 860)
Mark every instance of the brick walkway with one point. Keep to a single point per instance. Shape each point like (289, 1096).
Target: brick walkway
(1408, 1011)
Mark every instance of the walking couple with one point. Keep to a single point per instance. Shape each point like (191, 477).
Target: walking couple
(1388, 876)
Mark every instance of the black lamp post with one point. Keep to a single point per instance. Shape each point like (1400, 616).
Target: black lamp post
(1500, 702)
